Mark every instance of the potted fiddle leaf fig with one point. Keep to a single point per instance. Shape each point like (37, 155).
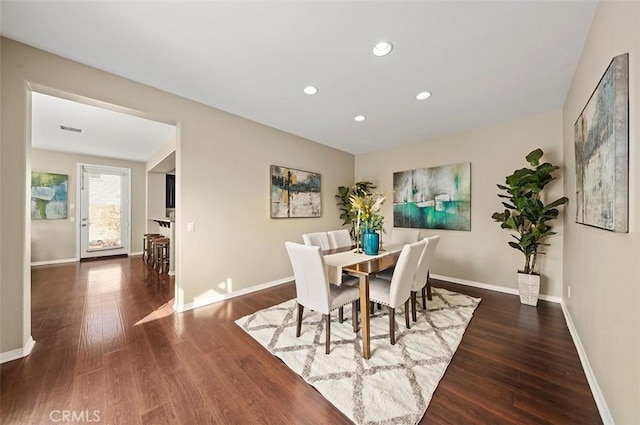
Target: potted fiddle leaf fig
(529, 217)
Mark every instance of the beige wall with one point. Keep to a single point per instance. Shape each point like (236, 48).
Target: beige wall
(481, 255)
(56, 239)
(602, 267)
(163, 156)
(222, 166)
(162, 161)
(156, 193)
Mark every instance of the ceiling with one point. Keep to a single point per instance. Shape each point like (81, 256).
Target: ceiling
(483, 61)
(105, 132)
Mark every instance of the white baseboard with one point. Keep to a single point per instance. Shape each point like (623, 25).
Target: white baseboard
(490, 287)
(18, 353)
(605, 414)
(591, 378)
(49, 262)
(135, 253)
(223, 297)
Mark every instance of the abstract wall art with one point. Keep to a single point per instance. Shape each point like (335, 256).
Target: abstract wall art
(295, 193)
(433, 198)
(48, 195)
(601, 136)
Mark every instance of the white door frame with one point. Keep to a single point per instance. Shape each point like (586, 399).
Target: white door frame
(79, 166)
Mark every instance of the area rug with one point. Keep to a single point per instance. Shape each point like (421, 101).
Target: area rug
(396, 384)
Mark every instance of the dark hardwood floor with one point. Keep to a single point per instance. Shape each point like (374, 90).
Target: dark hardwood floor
(109, 348)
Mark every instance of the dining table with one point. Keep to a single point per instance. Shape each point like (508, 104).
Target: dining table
(347, 260)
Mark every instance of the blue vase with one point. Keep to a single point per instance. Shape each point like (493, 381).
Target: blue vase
(370, 243)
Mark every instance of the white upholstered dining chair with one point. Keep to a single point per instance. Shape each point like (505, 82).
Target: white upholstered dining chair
(339, 238)
(313, 289)
(398, 292)
(421, 279)
(317, 239)
(401, 236)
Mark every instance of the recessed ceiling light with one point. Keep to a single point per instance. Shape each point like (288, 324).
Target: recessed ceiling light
(360, 118)
(423, 95)
(383, 48)
(311, 90)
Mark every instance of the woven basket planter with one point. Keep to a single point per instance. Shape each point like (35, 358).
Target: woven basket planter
(529, 288)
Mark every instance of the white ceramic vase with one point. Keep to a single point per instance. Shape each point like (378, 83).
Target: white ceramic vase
(529, 288)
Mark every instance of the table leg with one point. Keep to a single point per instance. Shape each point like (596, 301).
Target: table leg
(364, 316)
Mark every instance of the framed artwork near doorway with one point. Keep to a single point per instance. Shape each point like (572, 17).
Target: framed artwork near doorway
(295, 193)
(48, 195)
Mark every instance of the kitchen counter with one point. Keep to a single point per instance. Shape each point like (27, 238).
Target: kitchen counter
(163, 219)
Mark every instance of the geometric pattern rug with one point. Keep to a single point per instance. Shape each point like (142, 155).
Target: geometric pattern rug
(396, 384)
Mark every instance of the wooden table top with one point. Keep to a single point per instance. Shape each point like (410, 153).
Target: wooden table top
(375, 265)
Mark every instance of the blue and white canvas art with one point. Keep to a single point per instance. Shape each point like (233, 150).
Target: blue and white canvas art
(433, 198)
(601, 136)
(48, 195)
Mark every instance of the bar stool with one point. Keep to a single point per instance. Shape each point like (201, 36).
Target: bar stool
(161, 254)
(147, 245)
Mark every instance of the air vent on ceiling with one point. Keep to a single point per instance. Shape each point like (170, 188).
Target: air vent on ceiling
(72, 129)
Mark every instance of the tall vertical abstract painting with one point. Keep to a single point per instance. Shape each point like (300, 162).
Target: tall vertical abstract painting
(433, 198)
(295, 193)
(48, 195)
(601, 136)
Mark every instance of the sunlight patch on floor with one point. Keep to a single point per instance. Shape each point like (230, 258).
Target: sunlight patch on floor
(165, 310)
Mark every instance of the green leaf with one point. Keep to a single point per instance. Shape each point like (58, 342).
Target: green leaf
(516, 246)
(534, 157)
(512, 222)
(557, 202)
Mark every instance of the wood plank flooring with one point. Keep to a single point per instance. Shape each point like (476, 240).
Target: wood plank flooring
(109, 347)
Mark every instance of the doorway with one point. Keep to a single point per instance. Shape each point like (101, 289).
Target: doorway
(104, 211)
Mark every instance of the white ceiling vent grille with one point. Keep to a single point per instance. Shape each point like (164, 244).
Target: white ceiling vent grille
(72, 129)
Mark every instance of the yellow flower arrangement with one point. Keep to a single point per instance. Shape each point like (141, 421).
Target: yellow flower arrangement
(368, 211)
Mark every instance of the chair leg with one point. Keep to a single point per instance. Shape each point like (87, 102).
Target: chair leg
(150, 249)
(327, 328)
(428, 289)
(406, 314)
(424, 297)
(392, 325)
(299, 324)
(341, 315)
(354, 316)
(414, 300)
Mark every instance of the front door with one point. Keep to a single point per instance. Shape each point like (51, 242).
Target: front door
(104, 210)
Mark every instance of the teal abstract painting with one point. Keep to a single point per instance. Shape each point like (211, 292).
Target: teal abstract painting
(433, 198)
(48, 195)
